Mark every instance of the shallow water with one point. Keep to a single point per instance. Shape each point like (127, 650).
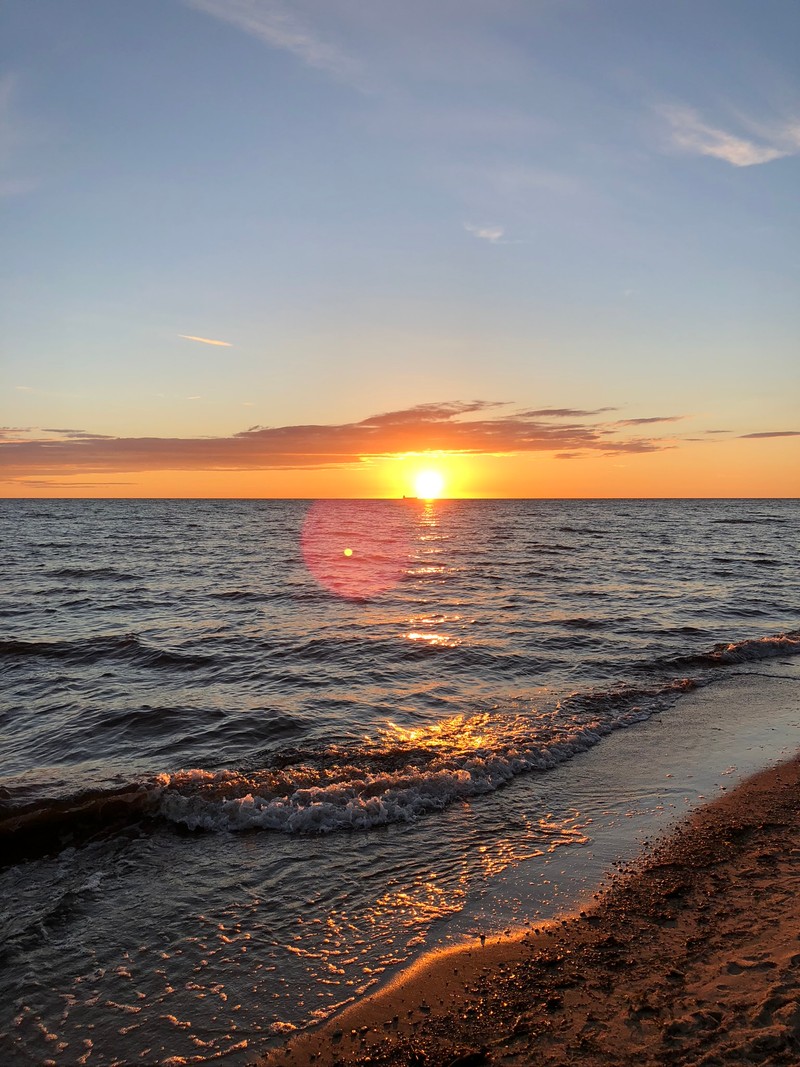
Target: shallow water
(244, 774)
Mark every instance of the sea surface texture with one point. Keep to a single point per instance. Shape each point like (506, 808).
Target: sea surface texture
(254, 751)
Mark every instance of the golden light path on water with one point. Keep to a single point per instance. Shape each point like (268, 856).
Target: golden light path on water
(360, 553)
(357, 554)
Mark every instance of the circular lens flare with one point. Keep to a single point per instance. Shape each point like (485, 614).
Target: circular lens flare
(356, 550)
(429, 485)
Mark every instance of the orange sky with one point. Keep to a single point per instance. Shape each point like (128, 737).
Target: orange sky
(767, 467)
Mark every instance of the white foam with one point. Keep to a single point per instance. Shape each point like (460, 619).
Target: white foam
(452, 760)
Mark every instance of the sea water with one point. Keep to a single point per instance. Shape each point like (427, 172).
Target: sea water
(258, 754)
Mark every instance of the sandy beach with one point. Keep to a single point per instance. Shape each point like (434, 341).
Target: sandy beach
(689, 956)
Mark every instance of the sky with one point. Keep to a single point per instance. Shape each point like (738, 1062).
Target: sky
(546, 248)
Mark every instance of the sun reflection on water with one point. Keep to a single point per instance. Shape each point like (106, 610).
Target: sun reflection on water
(433, 639)
(454, 735)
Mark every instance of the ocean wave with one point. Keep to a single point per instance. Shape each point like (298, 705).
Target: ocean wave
(756, 520)
(405, 773)
(87, 650)
(398, 776)
(748, 651)
(581, 623)
(289, 595)
(33, 828)
(373, 654)
(108, 573)
(587, 530)
(239, 594)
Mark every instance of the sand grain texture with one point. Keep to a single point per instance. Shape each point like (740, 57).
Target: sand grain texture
(691, 957)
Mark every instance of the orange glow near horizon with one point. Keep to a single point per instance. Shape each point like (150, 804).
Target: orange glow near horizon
(425, 475)
(713, 469)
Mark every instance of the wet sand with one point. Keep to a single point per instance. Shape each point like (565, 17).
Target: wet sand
(690, 956)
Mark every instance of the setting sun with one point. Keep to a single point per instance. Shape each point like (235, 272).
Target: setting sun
(428, 485)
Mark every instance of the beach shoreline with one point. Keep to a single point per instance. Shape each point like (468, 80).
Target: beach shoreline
(690, 956)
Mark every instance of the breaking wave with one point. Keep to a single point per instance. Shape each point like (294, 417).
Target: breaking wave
(749, 651)
(396, 776)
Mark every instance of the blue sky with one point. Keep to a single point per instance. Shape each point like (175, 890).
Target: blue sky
(379, 205)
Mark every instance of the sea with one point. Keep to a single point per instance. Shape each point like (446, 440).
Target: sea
(259, 754)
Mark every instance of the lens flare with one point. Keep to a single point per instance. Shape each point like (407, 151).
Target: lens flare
(356, 550)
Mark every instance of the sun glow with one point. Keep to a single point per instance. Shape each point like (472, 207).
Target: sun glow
(428, 485)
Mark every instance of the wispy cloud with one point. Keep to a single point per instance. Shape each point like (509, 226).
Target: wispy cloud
(564, 413)
(276, 25)
(772, 433)
(649, 421)
(24, 389)
(690, 133)
(205, 340)
(455, 426)
(77, 435)
(493, 234)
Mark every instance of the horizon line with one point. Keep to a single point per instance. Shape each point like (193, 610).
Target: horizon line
(400, 499)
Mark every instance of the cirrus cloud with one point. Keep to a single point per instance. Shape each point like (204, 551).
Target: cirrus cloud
(277, 25)
(205, 340)
(691, 133)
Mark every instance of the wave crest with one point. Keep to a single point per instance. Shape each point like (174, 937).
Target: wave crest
(128, 647)
(748, 651)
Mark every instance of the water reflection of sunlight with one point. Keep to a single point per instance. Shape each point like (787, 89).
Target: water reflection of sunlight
(421, 630)
(432, 639)
(456, 734)
(418, 572)
(410, 906)
(428, 514)
(419, 903)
